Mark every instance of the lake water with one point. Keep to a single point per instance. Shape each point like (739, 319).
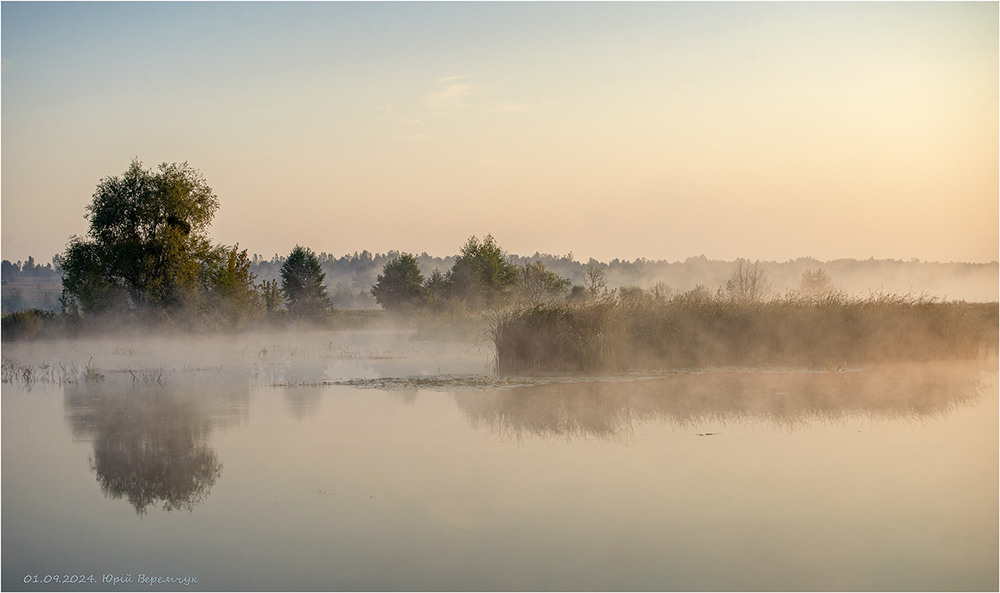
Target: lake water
(376, 461)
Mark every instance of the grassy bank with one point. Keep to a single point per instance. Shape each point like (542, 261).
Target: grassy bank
(34, 324)
(616, 334)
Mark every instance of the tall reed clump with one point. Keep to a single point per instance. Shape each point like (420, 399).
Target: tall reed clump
(692, 330)
(557, 338)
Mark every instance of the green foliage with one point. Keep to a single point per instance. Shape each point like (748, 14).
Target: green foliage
(31, 323)
(436, 291)
(147, 243)
(480, 278)
(272, 300)
(481, 275)
(231, 289)
(90, 283)
(400, 286)
(302, 285)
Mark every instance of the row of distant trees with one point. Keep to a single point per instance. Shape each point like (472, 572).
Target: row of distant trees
(147, 253)
(483, 277)
(349, 277)
(11, 270)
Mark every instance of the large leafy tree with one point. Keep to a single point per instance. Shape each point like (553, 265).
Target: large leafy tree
(147, 243)
(400, 286)
(302, 284)
(481, 274)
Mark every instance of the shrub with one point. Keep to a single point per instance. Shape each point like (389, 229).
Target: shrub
(27, 324)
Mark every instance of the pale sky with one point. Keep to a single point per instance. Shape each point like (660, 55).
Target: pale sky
(609, 130)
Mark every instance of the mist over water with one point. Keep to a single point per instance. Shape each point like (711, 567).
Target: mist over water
(181, 409)
(379, 460)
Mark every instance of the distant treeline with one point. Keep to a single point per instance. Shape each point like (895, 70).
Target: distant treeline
(148, 261)
(349, 277)
(27, 285)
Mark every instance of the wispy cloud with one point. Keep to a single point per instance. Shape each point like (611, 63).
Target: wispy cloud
(446, 79)
(391, 111)
(452, 97)
(509, 107)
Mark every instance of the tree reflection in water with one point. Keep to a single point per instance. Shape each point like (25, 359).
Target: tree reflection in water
(610, 407)
(150, 446)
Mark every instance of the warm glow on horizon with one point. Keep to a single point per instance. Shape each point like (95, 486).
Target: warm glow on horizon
(655, 130)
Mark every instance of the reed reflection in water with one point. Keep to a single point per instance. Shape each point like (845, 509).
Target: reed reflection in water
(609, 408)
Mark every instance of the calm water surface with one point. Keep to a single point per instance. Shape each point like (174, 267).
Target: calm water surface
(319, 462)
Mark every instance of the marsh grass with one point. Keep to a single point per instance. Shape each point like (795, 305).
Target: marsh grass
(92, 374)
(649, 332)
(35, 324)
(27, 375)
(146, 377)
(31, 323)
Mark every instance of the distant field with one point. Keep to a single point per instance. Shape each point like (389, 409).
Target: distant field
(30, 293)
